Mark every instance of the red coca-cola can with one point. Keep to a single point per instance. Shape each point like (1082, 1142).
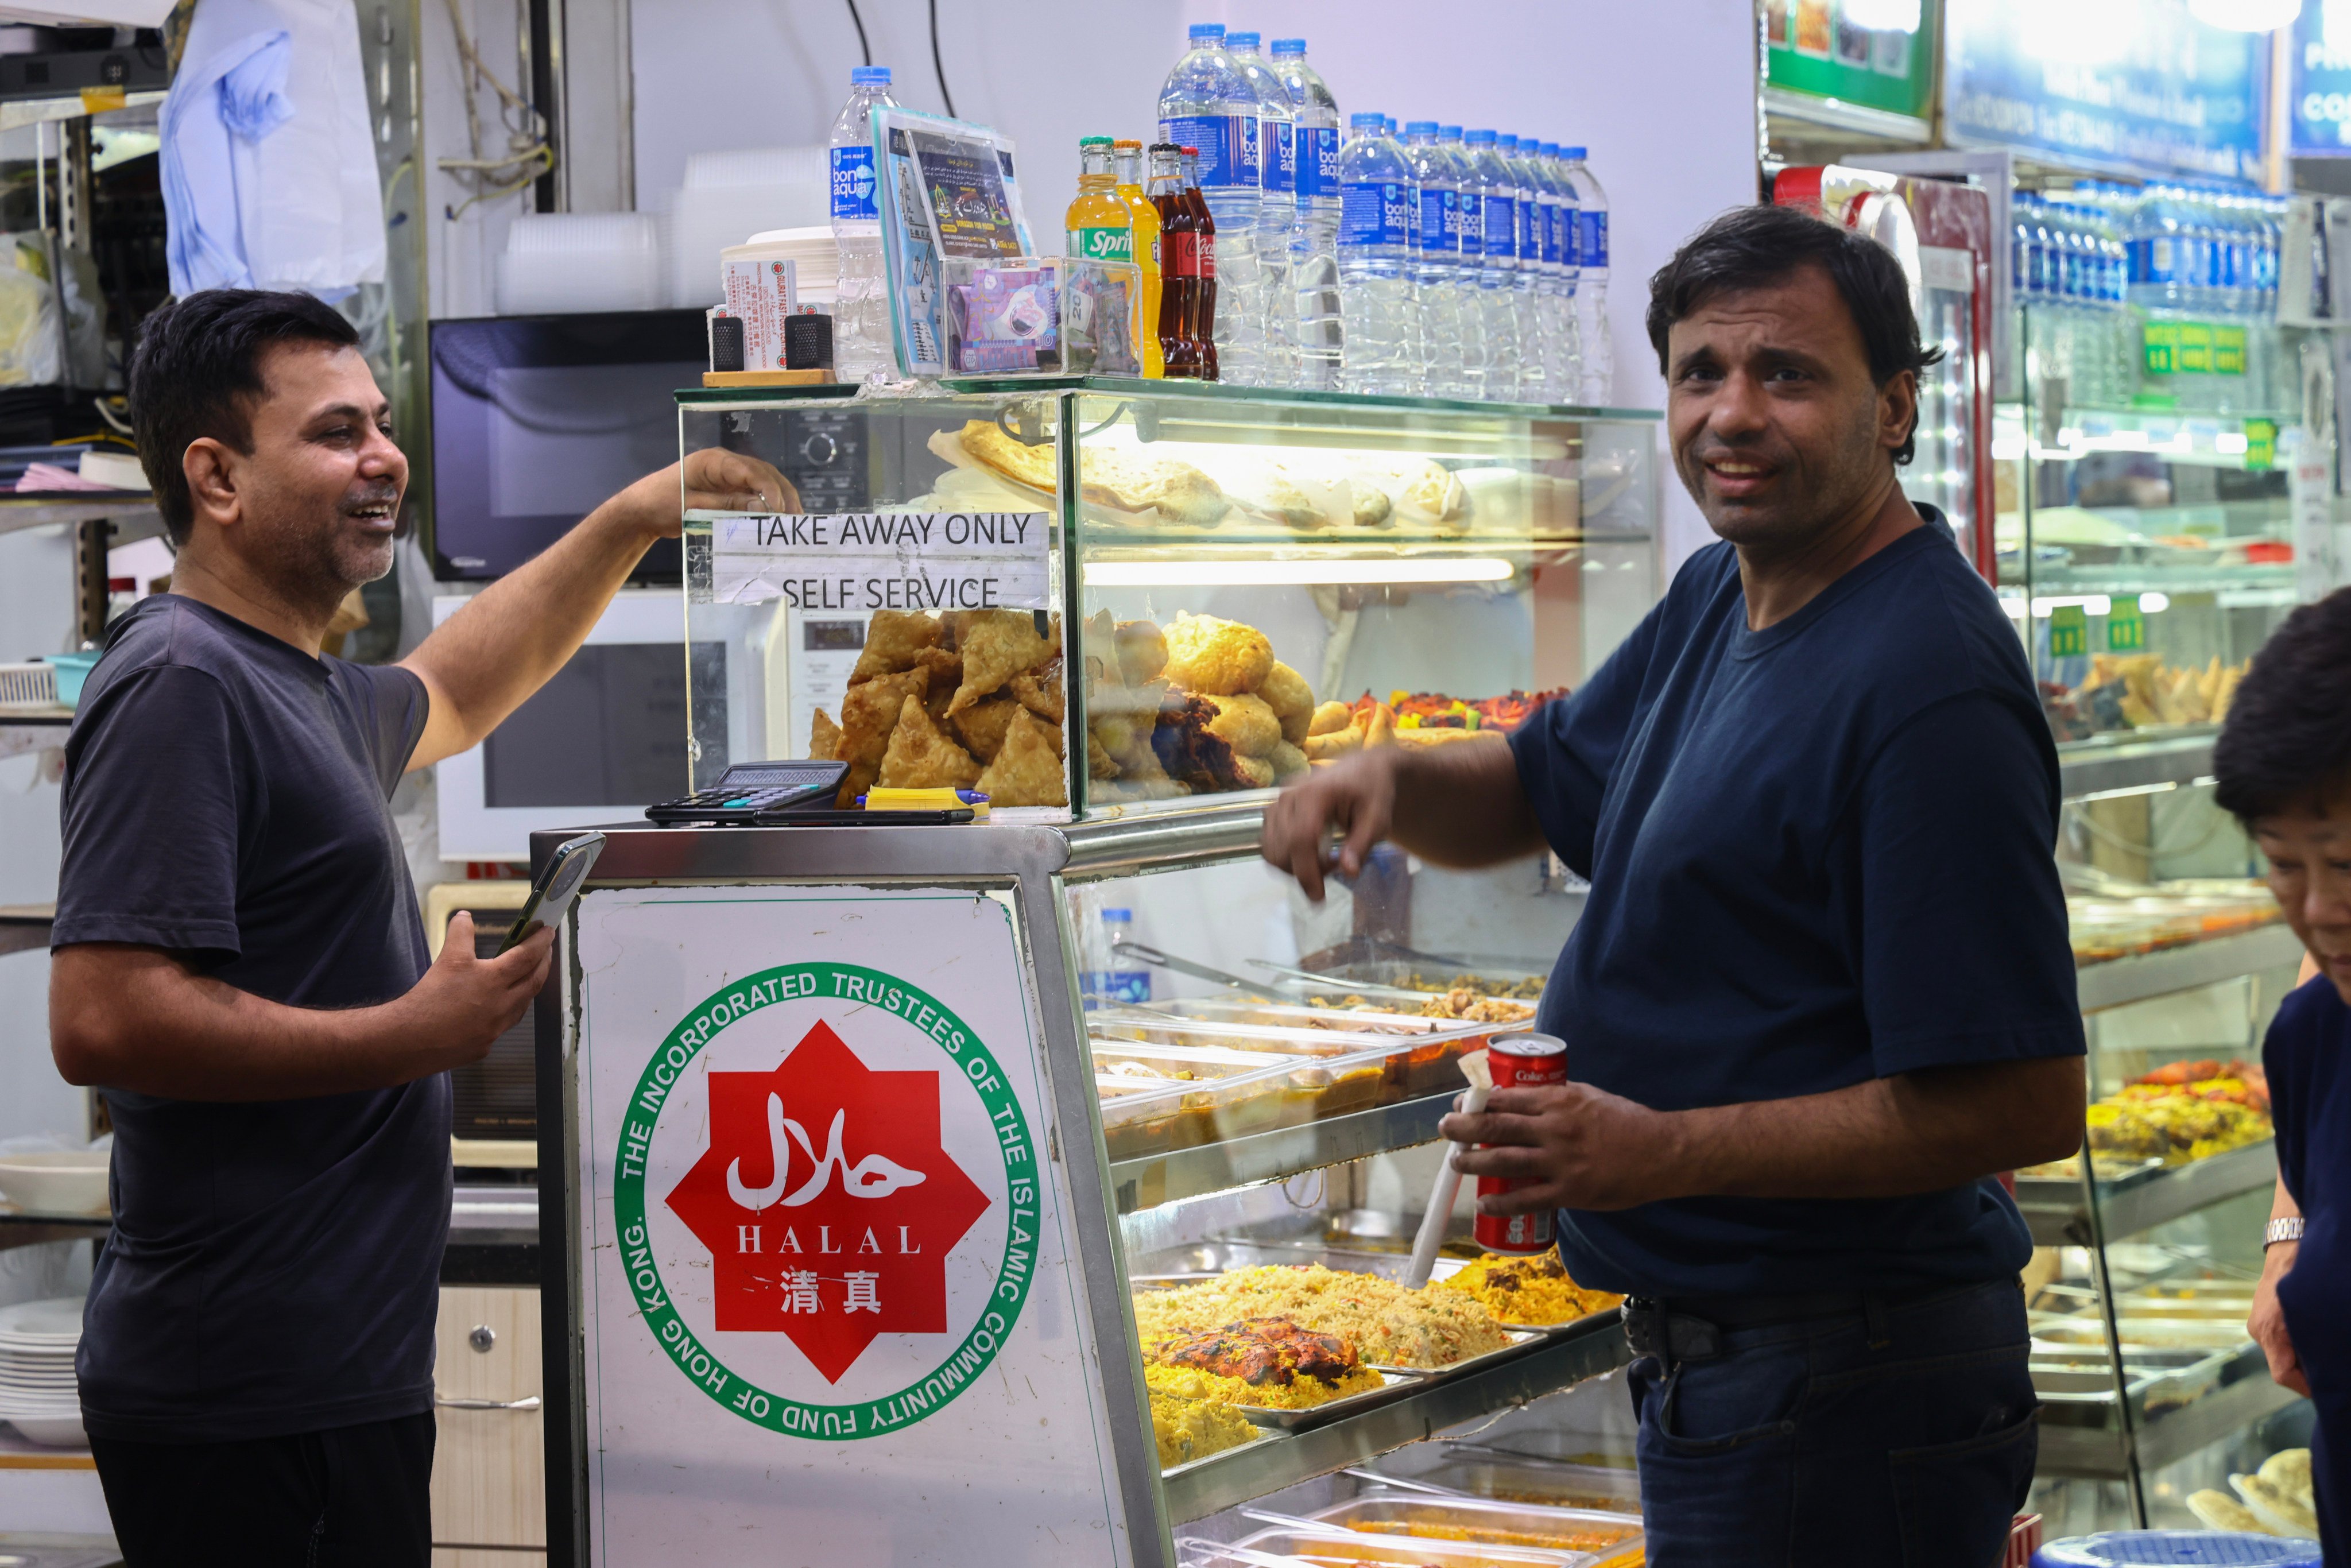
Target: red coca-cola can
(1519, 1061)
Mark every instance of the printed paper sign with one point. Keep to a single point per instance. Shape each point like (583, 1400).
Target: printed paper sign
(855, 563)
(827, 1267)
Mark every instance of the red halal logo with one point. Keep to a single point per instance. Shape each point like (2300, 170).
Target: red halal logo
(827, 1203)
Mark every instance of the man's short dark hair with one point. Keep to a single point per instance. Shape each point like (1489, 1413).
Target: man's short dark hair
(197, 372)
(2287, 741)
(1755, 247)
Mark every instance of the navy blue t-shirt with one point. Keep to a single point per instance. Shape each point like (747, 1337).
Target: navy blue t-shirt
(2307, 1056)
(1819, 853)
(275, 1265)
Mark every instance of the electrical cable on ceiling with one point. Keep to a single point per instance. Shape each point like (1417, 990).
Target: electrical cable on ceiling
(530, 153)
(938, 69)
(863, 46)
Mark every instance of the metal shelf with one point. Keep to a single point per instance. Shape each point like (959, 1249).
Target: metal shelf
(1273, 1462)
(2054, 1209)
(2090, 766)
(132, 512)
(1155, 1179)
(2121, 981)
(2085, 1441)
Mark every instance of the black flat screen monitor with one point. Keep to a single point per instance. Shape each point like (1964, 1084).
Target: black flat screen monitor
(536, 418)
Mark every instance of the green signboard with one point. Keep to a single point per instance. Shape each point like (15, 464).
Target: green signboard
(2125, 627)
(2193, 348)
(1857, 51)
(2069, 631)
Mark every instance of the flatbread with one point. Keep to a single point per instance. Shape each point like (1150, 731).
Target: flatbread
(1130, 481)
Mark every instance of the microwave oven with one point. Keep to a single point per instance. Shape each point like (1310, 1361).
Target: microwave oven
(538, 419)
(609, 734)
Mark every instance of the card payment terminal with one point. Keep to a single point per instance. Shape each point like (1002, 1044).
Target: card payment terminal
(750, 792)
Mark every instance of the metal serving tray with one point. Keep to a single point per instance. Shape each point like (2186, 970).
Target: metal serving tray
(1204, 1461)
(1519, 1340)
(1381, 1513)
(1393, 1385)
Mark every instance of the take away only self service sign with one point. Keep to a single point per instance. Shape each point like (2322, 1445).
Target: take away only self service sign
(829, 1302)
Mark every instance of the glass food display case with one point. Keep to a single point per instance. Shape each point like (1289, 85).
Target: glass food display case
(2147, 1244)
(914, 1174)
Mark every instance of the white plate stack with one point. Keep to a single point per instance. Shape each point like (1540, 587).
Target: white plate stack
(565, 263)
(37, 1394)
(727, 195)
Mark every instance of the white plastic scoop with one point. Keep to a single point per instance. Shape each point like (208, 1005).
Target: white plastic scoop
(1448, 1180)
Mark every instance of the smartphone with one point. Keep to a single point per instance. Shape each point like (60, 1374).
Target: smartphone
(556, 886)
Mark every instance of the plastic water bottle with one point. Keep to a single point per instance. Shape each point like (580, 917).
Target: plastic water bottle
(860, 325)
(1277, 213)
(1527, 275)
(1592, 286)
(1498, 264)
(1376, 288)
(1314, 234)
(1466, 245)
(1564, 348)
(1436, 240)
(1207, 103)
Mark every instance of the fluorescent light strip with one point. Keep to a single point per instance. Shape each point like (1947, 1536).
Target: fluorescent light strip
(1289, 573)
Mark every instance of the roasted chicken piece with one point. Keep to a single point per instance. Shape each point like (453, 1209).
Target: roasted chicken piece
(1259, 1350)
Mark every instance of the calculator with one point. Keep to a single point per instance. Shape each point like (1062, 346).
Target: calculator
(751, 792)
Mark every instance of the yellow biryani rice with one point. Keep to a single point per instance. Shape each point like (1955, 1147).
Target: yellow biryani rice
(1386, 1323)
(1303, 1392)
(1533, 1289)
(1188, 1429)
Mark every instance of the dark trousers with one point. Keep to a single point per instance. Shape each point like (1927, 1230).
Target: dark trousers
(1901, 1438)
(351, 1497)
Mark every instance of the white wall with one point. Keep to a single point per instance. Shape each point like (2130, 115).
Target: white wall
(1663, 92)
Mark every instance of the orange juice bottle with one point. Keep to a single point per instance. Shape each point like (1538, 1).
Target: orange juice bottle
(1129, 155)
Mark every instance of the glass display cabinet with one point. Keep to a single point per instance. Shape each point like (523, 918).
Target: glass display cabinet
(896, 1157)
(2147, 1245)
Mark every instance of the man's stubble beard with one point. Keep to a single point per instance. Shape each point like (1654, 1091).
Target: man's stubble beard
(1796, 520)
(318, 563)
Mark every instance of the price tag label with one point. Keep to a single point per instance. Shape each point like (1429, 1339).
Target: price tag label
(2069, 631)
(2125, 627)
(859, 562)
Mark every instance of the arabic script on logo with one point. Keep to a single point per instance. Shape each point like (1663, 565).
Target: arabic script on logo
(832, 1237)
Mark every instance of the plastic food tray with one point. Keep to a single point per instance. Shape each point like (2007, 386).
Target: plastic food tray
(1416, 1056)
(1393, 1385)
(1345, 1548)
(1501, 1476)
(1482, 1523)
(1230, 1094)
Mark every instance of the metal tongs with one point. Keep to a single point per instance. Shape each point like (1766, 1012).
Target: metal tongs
(1262, 990)
(1328, 984)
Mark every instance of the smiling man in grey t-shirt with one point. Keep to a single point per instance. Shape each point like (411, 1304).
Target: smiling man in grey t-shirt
(240, 967)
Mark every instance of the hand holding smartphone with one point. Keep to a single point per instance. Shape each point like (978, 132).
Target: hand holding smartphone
(557, 885)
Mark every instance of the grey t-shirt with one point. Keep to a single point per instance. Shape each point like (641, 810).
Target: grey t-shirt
(273, 1265)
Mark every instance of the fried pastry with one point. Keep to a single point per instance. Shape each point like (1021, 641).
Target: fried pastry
(868, 714)
(982, 725)
(1332, 744)
(1100, 764)
(998, 644)
(1373, 510)
(1287, 761)
(1330, 717)
(1285, 691)
(1040, 692)
(1274, 495)
(892, 638)
(1142, 652)
(1028, 767)
(1246, 724)
(1254, 773)
(824, 737)
(1217, 657)
(920, 757)
(1101, 657)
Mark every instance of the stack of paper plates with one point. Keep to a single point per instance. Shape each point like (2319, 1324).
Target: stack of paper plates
(37, 1394)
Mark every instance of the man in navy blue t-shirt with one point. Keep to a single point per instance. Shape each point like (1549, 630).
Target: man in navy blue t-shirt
(240, 966)
(1822, 990)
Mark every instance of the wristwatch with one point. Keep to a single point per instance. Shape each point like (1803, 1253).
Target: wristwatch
(2277, 1230)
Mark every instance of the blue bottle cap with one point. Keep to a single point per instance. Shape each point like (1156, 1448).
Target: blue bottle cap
(1480, 138)
(1290, 45)
(1367, 120)
(1206, 30)
(1505, 141)
(1448, 133)
(1549, 150)
(1421, 127)
(869, 76)
(1570, 152)
(1241, 40)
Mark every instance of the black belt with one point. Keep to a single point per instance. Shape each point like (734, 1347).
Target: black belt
(1690, 1328)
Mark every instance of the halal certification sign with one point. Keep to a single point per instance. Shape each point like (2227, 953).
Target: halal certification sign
(828, 1204)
